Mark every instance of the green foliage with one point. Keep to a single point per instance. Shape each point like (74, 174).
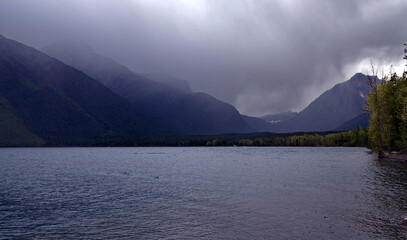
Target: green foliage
(245, 142)
(386, 104)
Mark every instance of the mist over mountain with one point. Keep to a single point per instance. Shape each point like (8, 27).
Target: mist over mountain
(179, 84)
(334, 107)
(189, 113)
(338, 109)
(260, 56)
(62, 105)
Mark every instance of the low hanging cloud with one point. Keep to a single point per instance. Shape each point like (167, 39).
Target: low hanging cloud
(261, 56)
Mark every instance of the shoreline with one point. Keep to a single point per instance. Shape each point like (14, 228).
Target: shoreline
(396, 158)
(391, 157)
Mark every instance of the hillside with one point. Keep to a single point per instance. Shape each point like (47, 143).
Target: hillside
(333, 108)
(61, 105)
(189, 113)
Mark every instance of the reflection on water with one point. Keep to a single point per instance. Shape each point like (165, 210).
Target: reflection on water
(204, 193)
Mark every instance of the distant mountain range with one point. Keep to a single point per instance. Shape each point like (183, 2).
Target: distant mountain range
(279, 117)
(187, 112)
(71, 95)
(341, 107)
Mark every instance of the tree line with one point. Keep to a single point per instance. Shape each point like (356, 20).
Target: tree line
(354, 138)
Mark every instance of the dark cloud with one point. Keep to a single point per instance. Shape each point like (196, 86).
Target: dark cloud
(261, 56)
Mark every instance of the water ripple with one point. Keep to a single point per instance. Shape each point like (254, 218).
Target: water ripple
(200, 193)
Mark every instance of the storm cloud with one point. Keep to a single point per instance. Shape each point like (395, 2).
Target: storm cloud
(260, 56)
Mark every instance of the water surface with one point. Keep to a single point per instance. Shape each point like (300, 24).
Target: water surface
(205, 193)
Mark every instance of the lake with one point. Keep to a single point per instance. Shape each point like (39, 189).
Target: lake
(200, 193)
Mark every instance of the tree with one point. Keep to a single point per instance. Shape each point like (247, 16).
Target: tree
(374, 108)
(386, 104)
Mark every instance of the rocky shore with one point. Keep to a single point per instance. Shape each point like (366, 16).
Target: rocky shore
(396, 157)
(391, 156)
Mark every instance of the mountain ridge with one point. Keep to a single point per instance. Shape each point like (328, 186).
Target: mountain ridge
(61, 104)
(190, 113)
(332, 108)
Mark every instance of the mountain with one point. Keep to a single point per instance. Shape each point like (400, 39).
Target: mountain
(267, 123)
(189, 113)
(45, 101)
(260, 125)
(279, 117)
(361, 120)
(169, 80)
(333, 108)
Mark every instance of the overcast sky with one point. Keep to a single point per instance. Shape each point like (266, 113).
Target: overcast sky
(261, 56)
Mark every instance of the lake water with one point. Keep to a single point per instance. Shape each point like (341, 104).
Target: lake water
(200, 193)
